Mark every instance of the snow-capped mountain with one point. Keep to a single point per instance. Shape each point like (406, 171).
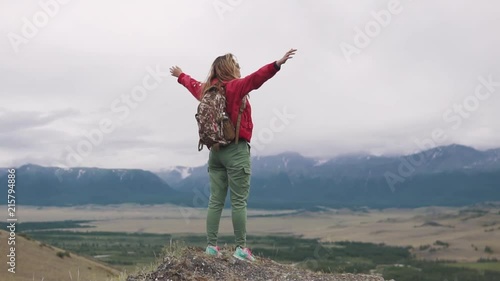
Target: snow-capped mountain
(37, 185)
(448, 175)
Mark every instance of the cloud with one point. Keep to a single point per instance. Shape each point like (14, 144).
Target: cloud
(62, 84)
(12, 121)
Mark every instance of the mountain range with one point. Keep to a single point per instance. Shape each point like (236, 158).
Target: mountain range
(47, 186)
(451, 175)
(447, 175)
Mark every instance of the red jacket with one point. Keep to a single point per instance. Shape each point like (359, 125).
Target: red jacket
(236, 89)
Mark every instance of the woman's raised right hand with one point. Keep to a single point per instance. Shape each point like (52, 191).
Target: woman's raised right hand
(175, 71)
(287, 56)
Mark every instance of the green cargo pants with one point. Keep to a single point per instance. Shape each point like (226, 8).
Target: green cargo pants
(230, 166)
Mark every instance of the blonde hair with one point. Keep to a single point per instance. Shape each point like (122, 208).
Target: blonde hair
(224, 68)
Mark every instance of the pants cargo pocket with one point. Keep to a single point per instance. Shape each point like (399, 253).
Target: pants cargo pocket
(248, 173)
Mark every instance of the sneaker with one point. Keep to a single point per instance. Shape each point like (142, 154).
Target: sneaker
(243, 254)
(213, 251)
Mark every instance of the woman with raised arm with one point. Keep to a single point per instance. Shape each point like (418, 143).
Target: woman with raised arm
(230, 165)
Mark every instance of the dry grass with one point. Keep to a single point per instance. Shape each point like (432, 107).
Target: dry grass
(192, 264)
(173, 249)
(36, 261)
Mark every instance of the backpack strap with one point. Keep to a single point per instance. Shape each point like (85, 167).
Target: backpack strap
(242, 108)
(200, 145)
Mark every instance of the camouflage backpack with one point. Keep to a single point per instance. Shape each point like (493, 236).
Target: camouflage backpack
(214, 125)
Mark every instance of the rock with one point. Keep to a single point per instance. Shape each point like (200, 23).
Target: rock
(192, 264)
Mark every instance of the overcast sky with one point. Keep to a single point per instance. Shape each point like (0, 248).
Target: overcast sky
(380, 77)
